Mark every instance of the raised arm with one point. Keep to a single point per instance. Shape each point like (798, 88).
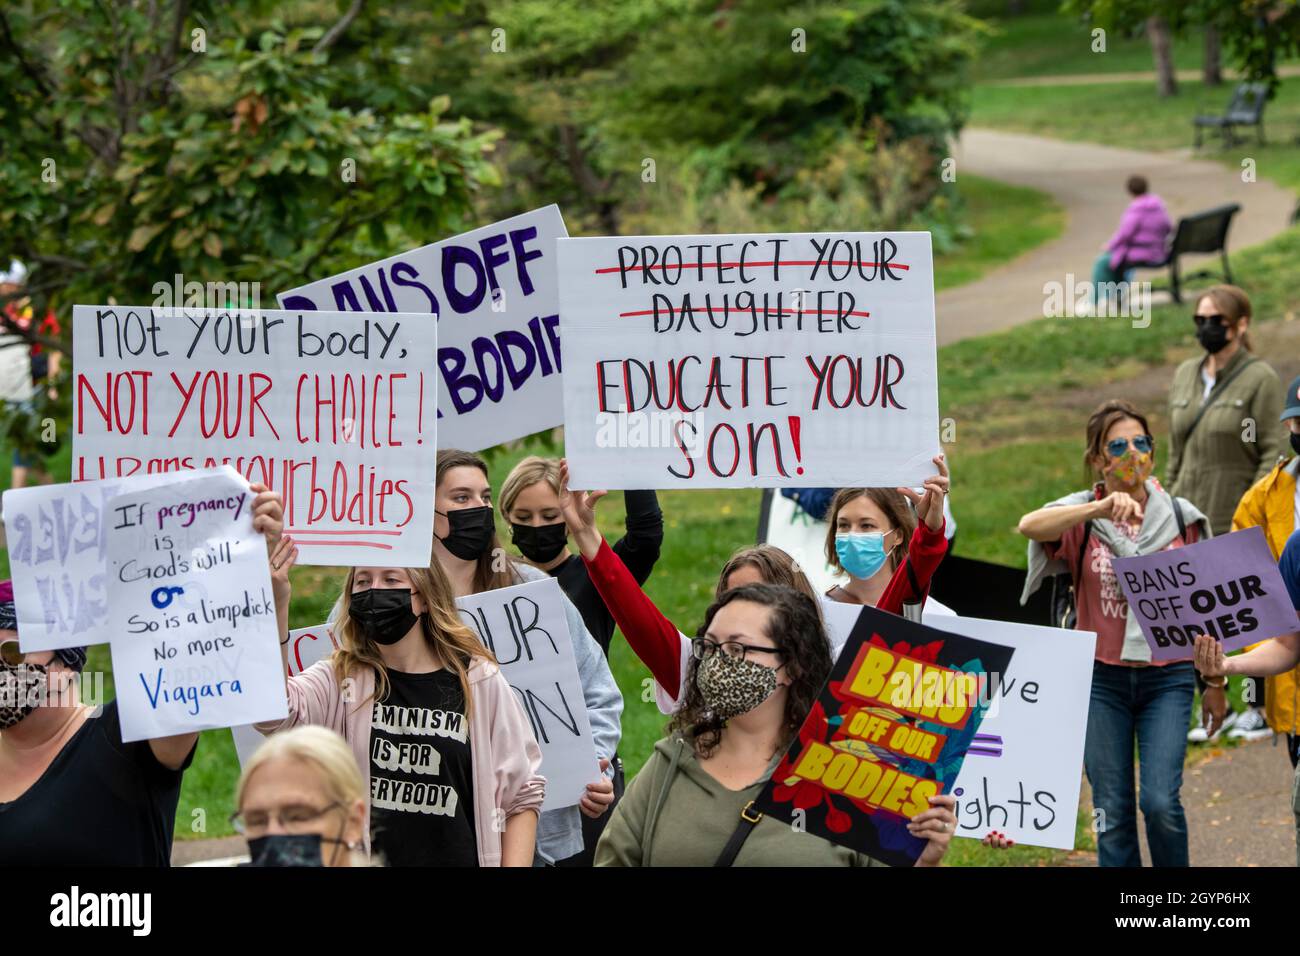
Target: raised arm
(640, 547)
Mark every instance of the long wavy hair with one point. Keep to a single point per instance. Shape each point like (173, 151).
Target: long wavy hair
(454, 641)
(795, 627)
(495, 568)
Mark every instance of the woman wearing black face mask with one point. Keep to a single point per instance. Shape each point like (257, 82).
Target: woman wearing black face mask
(465, 545)
(1224, 408)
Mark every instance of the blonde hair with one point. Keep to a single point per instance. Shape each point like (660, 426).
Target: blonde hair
(1234, 304)
(527, 473)
(450, 637)
(320, 748)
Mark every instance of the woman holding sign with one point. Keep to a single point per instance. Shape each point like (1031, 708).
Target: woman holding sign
(465, 546)
(109, 802)
(758, 666)
(447, 754)
(1126, 512)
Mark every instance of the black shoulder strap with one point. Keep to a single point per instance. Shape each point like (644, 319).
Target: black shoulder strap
(749, 818)
(911, 579)
(1218, 388)
(1083, 544)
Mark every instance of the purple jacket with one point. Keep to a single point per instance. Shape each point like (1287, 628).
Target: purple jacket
(1143, 232)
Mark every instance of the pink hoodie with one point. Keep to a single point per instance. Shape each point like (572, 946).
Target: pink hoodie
(504, 754)
(1143, 232)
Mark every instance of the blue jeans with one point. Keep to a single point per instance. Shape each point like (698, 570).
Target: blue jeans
(1155, 703)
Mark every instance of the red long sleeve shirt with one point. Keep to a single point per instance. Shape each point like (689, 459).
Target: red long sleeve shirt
(658, 642)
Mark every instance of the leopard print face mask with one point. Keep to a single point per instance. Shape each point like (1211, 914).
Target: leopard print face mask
(21, 689)
(731, 686)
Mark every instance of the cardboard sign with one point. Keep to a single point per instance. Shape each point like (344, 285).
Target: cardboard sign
(307, 645)
(525, 627)
(195, 643)
(1228, 587)
(58, 556)
(494, 293)
(335, 410)
(1021, 773)
(889, 730)
(749, 360)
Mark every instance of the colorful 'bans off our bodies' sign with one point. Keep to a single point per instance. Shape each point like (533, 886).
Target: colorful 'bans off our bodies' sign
(333, 409)
(494, 293)
(749, 360)
(889, 730)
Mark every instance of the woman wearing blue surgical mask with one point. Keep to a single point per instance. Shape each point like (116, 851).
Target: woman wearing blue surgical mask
(888, 541)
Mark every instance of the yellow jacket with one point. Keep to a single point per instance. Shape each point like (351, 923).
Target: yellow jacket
(1270, 504)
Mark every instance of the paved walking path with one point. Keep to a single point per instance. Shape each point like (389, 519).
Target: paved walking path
(1138, 76)
(1088, 181)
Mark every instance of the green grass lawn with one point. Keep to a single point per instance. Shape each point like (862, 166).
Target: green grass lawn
(1004, 221)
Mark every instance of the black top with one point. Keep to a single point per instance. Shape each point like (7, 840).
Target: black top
(421, 778)
(101, 802)
(639, 549)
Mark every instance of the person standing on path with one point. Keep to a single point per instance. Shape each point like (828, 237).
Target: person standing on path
(1223, 433)
(1125, 513)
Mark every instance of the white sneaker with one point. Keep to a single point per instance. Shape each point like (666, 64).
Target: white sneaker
(1228, 721)
(1251, 726)
(1197, 734)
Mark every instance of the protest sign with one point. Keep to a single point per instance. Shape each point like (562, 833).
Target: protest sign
(525, 627)
(333, 409)
(494, 293)
(1021, 773)
(889, 730)
(749, 360)
(195, 643)
(57, 543)
(307, 645)
(1228, 587)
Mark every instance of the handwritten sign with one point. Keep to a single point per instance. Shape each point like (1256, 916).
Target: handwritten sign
(307, 645)
(335, 410)
(525, 627)
(494, 293)
(749, 360)
(57, 538)
(1228, 587)
(889, 730)
(195, 643)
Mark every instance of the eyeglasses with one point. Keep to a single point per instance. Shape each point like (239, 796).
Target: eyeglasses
(1216, 319)
(11, 654)
(1142, 443)
(295, 818)
(702, 648)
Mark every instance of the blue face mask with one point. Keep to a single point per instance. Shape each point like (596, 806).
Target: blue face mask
(861, 554)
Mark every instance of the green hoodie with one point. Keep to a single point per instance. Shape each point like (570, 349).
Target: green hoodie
(675, 813)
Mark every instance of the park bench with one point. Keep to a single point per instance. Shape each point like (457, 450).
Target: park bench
(1246, 109)
(1200, 232)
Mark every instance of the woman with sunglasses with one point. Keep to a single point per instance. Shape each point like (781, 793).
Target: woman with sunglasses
(71, 790)
(1126, 512)
(758, 665)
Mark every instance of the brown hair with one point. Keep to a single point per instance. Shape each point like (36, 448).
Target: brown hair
(1100, 422)
(1233, 303)
(495, 569)
(896, 508)
(1137, 185)
(774, 566)
(453, 640)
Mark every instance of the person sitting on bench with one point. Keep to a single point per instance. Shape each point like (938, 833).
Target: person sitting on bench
(1141, 238)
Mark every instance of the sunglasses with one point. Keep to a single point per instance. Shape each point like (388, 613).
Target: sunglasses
(1216, 319)
(1142, 443)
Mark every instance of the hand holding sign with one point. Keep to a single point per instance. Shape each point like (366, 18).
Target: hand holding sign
(579, 510)
(929, 505)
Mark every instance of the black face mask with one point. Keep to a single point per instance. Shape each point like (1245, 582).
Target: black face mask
(1213, 337)
(540, 543)
(383, 615)
(1295, 443)
(469, 532)
(286, 849)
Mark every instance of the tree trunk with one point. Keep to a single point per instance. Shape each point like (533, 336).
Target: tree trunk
(1162, 50)
(1212, 68)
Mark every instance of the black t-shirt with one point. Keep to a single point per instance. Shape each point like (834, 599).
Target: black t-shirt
(101, 802)
(421, 778)
(639, 549)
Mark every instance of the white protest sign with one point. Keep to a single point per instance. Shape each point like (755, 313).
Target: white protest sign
(525, 627)
(307, 645)
(335, 410)
(195, 643)
(494, 292)
(58, 556)
(749, 360)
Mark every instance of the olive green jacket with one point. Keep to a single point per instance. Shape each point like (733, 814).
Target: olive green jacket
(675, 813)
(1237, 442)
